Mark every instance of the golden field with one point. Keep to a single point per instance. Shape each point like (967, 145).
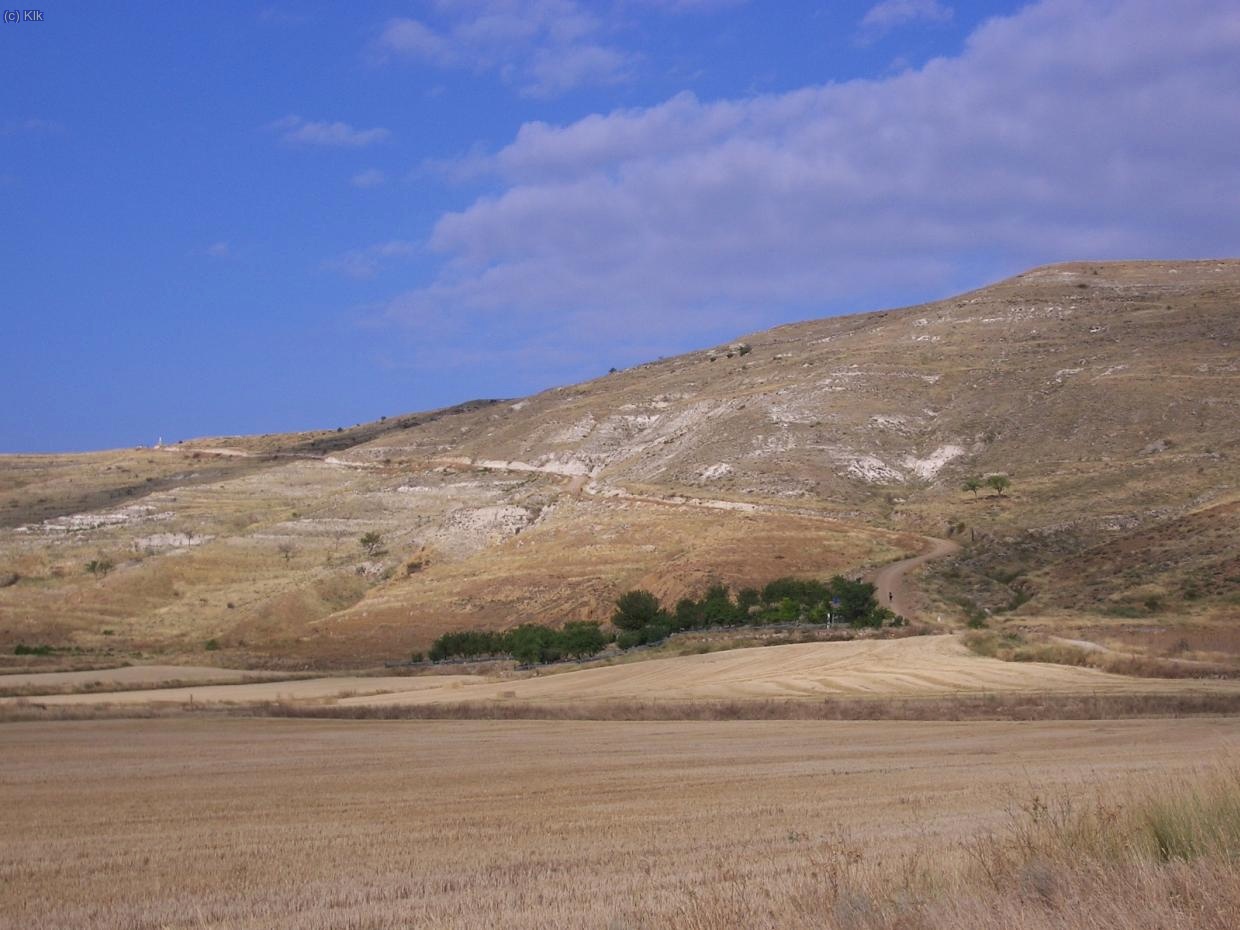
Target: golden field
(370, 825)
(912, 668)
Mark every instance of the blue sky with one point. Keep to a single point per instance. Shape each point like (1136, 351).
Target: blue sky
(235, 218)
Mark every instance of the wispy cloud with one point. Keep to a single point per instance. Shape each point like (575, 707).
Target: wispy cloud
(1064, 131)
(371, 177)
(542, 47)
(365, 263)
(218, 250)
(298, 131)
(892, 14)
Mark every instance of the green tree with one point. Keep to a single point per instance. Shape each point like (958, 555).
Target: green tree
(999, 482)
(717, 606)
(746, 598)
(530, 643)
(635, 609)
(371, 543)
(853, 601)
(688, 614)
(973, 484)
(580, 639)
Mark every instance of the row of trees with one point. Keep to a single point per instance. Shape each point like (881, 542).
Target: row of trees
(528, 643)
(641, 619)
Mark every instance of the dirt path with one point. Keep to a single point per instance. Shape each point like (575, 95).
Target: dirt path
(893, 586)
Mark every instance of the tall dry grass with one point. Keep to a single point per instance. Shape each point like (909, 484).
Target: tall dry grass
(1163, 856)
(1014, 647)
(955, 707)
(958, 707)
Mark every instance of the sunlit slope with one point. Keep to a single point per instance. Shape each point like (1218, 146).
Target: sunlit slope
(1065, 374)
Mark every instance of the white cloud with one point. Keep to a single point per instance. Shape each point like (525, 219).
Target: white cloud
(891, 14)
(554, 71)
(371, 177)
(218, 250)
(1066, 131)
(365, 263)
(298, 131)
(410, 37)
(543, 47)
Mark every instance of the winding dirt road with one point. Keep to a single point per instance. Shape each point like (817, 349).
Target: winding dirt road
(892, 583)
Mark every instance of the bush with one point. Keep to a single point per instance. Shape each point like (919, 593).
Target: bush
(23, 650)
(100, 567)
(655, 632)
(629, 638)
(371, 543)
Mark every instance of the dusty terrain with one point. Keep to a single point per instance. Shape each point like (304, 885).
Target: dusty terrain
(173, 824)
(1108, 393)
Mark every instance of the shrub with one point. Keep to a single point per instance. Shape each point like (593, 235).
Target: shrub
(655, 632)
(21, 649)
(629, 638)
(99, 567)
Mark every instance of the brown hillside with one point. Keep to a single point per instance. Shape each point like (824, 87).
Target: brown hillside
(1109, 393)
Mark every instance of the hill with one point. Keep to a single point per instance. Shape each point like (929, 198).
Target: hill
(1109, 394)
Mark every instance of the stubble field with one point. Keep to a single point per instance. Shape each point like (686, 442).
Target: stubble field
(370, 825)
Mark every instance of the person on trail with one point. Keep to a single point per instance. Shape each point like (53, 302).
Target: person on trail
(891, 596)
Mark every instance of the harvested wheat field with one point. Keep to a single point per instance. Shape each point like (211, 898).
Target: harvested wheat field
(923, 665)
(309, 825)
(310, 689)
(132, 675)
(129, 677)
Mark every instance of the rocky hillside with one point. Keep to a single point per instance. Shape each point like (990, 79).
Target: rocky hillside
(1109, 394)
